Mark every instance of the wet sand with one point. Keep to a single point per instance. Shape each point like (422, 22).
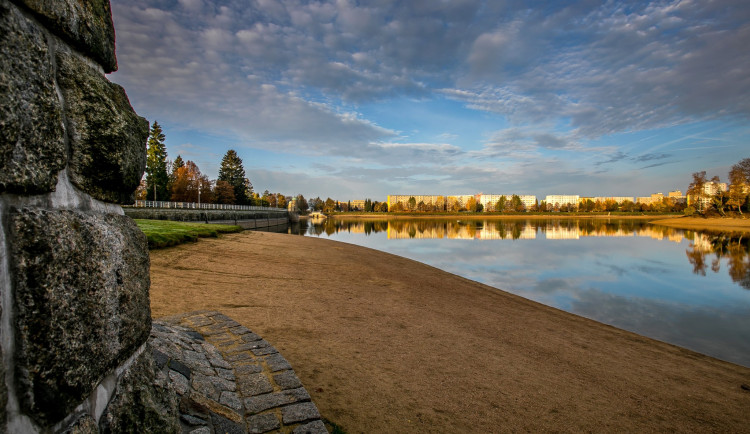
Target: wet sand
(386, 344)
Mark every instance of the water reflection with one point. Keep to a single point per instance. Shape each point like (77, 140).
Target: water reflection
(626, 273)
(736, 250)
(494, 229)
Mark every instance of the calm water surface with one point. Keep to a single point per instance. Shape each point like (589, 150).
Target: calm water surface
(688, 288)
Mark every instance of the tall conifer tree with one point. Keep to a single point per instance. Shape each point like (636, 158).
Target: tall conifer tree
(233, 172)
(156, 165)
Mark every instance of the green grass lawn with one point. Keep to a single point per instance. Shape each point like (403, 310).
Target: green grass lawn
(165, 233)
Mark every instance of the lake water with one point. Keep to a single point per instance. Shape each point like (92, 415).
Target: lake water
(688, 288)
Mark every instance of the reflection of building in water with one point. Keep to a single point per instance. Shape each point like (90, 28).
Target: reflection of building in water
(702, 243)
(409, 230)
(562, 233)
(495, 230)
(490, 232)
(356, 228)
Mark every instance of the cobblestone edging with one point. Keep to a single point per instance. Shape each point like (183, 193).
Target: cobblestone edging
(228, 379)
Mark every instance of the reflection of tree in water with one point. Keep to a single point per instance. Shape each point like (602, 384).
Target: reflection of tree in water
(735, 249)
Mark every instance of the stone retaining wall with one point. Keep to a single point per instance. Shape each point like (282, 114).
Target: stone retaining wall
(74, 271)
(190, 215)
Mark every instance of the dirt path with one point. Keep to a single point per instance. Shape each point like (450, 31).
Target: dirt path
(386, 344)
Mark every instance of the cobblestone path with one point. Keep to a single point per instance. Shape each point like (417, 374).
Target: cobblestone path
(230, 380)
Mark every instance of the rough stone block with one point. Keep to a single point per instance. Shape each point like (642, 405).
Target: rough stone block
(263, 423)
(84, 425)
(142, 403)
(85, 24)
(32, 145)
(316, 427)
(254, 384)
(257, 404)
(81, 294)
(226, 426)
(299, 413)
(107, 138)
(287, 380)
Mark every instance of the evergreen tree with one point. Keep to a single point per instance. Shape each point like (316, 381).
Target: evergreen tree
(233, 172)
(156, 165)
(175, 165)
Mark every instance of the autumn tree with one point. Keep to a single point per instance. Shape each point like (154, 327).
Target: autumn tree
(739, 188)
(302, 204)
(176, 164)
(500, 206)
(471, 204)
(280, 200)
(516, 204)
(440, 203)
(412, 203)
(224, 193)
(156, 165)
(190, 184)
(233, 172)
(329, 206)
(141, 192)
(696, 189)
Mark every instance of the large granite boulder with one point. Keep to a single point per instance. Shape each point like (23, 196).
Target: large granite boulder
(107, 138)
(85, 24)
(144, 402)
(32, 145)
(82, 307)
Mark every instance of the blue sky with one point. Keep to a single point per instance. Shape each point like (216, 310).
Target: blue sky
(356, 99)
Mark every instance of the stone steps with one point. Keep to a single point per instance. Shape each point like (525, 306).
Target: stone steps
(229, 379)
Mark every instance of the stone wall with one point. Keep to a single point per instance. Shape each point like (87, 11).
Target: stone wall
(74, 271)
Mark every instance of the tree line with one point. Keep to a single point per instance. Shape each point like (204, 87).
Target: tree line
(182, 181)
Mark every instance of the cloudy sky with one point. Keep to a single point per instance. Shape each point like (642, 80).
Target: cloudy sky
(355, 99)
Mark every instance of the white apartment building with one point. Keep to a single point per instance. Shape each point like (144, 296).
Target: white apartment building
(710, 189)
(403, 199)
(562, 199)
(489, 201)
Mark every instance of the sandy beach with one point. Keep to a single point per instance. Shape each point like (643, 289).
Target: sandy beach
(386, 344)
(710, 224)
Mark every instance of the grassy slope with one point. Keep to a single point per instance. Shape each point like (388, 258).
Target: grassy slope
(165, 233)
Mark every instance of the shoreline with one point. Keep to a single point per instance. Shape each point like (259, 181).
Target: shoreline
(480, 216)
(714, 224)
(387, 344)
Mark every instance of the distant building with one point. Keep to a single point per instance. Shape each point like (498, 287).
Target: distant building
(710, 189)
(618, 199)
(403, 199)
(358, 204)
(459, 201)
(562, 199)
(489, 201)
